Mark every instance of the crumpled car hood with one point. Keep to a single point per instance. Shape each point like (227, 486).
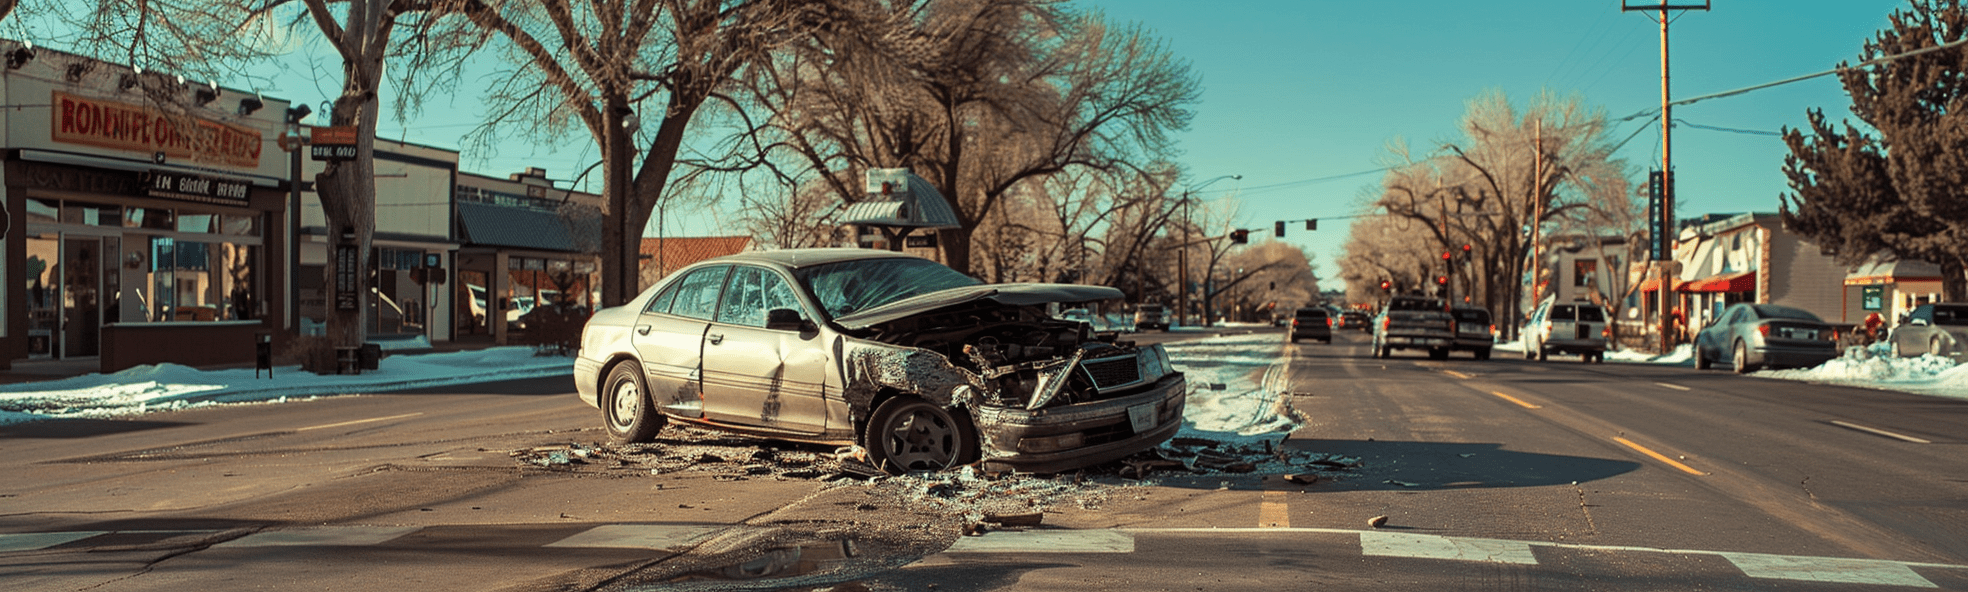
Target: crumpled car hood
(1007, 294)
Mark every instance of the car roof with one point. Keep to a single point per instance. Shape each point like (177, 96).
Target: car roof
(797, 258)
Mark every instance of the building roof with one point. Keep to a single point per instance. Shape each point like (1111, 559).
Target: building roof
(670, 253)
(505, 226)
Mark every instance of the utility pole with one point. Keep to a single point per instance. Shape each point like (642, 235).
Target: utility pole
(1661, 268)
(1182, 256)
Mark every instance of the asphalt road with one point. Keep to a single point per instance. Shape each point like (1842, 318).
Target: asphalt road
(1506, 473)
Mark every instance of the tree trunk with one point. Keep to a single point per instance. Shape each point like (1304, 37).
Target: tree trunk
(1954, 284)
(347, 191)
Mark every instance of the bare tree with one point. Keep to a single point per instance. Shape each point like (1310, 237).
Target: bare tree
(979, 97)
(610, 65)
(1513, 175)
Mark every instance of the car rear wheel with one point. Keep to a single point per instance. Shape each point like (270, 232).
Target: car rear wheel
(1934, 347)
(1742, 359)
(1483, 354)
(907, 434)
(625, 408)
(1701, 359)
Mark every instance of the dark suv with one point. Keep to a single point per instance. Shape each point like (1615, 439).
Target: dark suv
(1311, 323)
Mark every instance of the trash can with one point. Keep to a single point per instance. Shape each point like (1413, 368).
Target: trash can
(371, 355)
(263, 354)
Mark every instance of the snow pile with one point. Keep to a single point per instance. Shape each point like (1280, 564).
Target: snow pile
(1226, 400)
(1875, 368)
(1682, 354)
(171, 386)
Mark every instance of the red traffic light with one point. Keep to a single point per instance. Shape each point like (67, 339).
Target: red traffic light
(1442, 279)
(1446, 254)
(1465, 249)
(1386, 285)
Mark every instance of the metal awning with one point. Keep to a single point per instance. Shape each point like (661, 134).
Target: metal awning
(901, 199)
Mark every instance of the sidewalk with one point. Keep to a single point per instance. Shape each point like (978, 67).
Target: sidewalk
(47, 370)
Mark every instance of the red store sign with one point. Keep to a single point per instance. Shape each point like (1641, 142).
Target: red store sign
(122, 126)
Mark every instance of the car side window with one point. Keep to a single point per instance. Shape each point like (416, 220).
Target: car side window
(751, 292)
(697, 293)
(661, 303)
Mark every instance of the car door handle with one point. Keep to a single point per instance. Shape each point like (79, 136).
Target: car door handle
(715, 338)
(642, 329)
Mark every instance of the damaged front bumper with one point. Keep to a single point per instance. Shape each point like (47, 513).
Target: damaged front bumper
(1064, 437)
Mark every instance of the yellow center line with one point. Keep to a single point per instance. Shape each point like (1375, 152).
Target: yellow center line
(1457, 374)
(349, 423)
(1658, 456)
(1271, 511)
(1519, 402)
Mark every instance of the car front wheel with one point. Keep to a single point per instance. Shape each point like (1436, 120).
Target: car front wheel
(907, 434)
(625, 409)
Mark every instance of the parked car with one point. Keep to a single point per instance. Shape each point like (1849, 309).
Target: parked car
(1151, 316)
(1567, 328)
(1356, 320)
(1754, 336)
(1311, 322)
(922, 367)
(1473, 331)
(1938, 329)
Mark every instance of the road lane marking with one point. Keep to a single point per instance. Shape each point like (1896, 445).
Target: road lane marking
(1658, 456)
(29, 541)
(1046, 541)
(637, 536)
(1272, 511)
(350, 423)
(340, 536)
(1827, 569)
(1879, 432)
(1674, 386)
(1519, 402)
(1458, 374)
(1428, 546)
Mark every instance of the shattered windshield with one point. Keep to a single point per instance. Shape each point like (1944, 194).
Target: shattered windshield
(851, 286)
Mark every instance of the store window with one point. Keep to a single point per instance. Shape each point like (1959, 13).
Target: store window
(565, 285)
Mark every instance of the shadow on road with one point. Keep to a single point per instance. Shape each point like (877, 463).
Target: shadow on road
(65, 428)
(1435, 465)
(549, 385)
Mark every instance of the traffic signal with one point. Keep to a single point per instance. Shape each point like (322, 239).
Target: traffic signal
(1240, 236)
(1280, 228)
(1311, 224)
(1465, 250)
(1386, 285)
(1442, 279)
(1447, 254)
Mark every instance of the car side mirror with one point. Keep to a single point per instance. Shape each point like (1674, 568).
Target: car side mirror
(786, 319)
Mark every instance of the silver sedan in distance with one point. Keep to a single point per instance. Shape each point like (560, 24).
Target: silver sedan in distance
(922, 367)
(1755, 336)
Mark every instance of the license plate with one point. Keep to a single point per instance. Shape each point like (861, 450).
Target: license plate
(1142, 417)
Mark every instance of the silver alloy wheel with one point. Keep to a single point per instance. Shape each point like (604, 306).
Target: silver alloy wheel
(1742, 359)
(908, 434)
(625, 401)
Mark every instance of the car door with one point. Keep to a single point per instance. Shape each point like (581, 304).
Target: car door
(759, 376)
(669, 340)
(1710, 342)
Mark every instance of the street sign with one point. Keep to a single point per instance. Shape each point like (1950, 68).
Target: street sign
(333, 143)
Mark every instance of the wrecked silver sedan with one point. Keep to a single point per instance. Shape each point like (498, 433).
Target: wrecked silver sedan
(922, 367)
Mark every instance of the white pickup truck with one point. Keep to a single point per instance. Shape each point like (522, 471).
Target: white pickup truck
(1413, 322)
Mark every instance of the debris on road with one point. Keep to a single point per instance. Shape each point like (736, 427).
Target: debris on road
(1377, 521)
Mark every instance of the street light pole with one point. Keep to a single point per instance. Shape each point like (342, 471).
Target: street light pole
(1182, 256)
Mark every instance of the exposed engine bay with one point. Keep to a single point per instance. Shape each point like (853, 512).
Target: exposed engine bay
(1022, 356)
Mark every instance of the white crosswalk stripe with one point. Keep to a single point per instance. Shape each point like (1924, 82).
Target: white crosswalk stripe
(1374, 543)
(1428, 546)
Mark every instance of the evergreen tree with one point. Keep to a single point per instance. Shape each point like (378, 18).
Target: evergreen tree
(1904, 193)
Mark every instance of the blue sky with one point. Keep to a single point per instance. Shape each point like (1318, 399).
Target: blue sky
(1299, 90)
(1302, 90)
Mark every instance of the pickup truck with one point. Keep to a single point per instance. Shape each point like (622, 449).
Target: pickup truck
(1413, 322)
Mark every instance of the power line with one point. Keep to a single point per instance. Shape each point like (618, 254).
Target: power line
(1680, 121)
(1289, 184)
(1731, 93)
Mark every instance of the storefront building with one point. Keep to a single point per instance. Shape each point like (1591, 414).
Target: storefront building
(526, 247)
(144, 215)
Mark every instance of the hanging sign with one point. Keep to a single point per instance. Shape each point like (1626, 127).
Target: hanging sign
(332, 142)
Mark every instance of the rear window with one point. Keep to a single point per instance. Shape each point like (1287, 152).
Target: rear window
(1591, 314)
(1772, 311)
(1562, 312)
(1473, 315)
(1311, 313)
(1951, 315)
(1413, 304)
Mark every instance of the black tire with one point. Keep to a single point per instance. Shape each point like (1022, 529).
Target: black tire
(1543, 354)
(1438, 353)
(1381, 351)
(907, 434)
(1294, 339)
(1327, 341)
(1483, 353)
(1701, 359)
(625, 408)
(1741, 359)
